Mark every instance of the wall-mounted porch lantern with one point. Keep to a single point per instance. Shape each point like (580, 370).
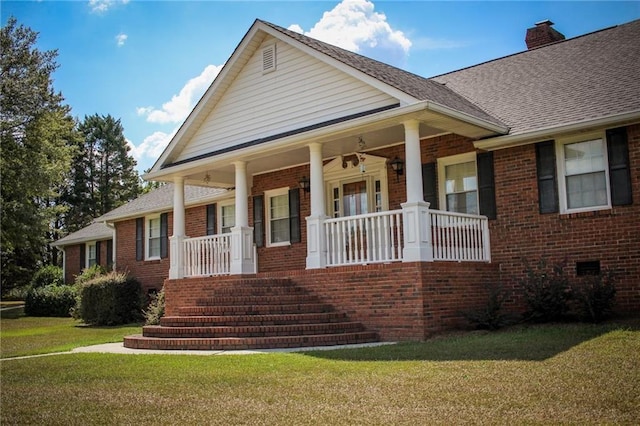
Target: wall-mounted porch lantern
(398, 166)
(305, 184)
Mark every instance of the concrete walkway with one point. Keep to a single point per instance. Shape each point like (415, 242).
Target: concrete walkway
(118, 348)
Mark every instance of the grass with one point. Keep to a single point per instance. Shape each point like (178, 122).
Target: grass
(22, 336)
(572, 374)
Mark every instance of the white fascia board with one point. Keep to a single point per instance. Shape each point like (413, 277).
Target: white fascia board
(453, 113)
(509, 141)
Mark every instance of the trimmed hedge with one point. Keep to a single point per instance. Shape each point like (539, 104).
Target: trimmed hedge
(47, 275)
(111, 299)
(50, 301)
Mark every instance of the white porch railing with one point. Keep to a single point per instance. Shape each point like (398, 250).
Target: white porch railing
(459, 237)
(368, 238)
(210, 255)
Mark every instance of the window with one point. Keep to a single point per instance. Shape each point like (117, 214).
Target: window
(584, 171)
(227, 218)
(92, 257)
(277, 217)
(459, 183)
(153, 237)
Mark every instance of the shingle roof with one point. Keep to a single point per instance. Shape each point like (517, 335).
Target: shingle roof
(161, 199)
(414, 85)
(95, 232)
(588, 77)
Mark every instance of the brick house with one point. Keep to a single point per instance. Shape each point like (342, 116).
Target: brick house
(91, 245)
(394, 198)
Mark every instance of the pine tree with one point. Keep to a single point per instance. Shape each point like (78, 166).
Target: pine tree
(35, 130)
(103, 175)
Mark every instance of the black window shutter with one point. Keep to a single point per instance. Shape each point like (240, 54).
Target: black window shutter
(211, 219)
(164, 235)
(429, 185)
(294, 215)
(98, 252)
(486, 184)
(547, 180)
(619, 173)
(140, 238)
(258, 220)
(83, 256)
(109, 252)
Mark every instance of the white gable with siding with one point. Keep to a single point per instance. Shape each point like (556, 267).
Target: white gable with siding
(299, 91)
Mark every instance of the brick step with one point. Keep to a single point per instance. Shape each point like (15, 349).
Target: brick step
(240, 320)
(298, 308)
(252, 331)
(239, 343)
(282, 299)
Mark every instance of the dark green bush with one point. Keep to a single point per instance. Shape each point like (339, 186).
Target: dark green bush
(50, 301)
(546, 292)
(47, 275)
(155, 311)
(594, 295)
(111, 299)
(490, 316)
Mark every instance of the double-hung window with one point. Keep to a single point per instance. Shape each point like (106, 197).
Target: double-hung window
(92, 257)
(459, 183)
(277, 208)
(227, 218)
(583, 183)
(153, 237)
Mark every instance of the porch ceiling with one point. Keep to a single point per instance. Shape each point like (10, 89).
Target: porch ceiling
(342, 139)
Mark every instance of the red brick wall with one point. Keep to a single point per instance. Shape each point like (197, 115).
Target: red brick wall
(72, 260)
(521, 233)
(152, 273)
(401, 301)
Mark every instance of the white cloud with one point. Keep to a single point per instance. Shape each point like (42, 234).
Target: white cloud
(101, 6)
(121, 38)
(180, 105)
(151, 147)
(355, 26)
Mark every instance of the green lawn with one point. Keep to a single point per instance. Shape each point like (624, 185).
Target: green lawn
(569, 374)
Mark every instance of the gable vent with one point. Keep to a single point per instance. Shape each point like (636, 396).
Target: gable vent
(269, 59)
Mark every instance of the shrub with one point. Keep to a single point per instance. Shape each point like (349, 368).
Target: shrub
(155, 311)
(594, 296)
(47, 275)
(546, 292)
(111, 299)
(17, 293)
(490, 316)
(89, 273)
(50, 301)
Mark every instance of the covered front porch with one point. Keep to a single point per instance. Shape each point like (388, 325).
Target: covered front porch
(333, 236)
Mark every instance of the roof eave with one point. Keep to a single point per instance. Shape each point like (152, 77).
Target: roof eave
(509, 141)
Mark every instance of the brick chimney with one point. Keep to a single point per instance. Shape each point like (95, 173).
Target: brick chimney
(542, 34)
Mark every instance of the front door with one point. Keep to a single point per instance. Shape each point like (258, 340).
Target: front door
(355, 198)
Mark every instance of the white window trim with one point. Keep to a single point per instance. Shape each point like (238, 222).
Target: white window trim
(560, 169)
(88, 252)
(147, 236)
(267, 197)
(221, 204)
(449, 161)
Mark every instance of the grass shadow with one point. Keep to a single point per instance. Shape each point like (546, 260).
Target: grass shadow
(519, 343)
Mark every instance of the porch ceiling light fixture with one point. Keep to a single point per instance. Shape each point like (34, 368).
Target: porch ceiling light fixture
(360, 155)
(398, 166)
(305, 184)
(206, 178)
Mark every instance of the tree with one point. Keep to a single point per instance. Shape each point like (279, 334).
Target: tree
(103, 175)
(35, 153)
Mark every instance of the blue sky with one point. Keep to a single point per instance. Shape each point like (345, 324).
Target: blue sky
(148, 62)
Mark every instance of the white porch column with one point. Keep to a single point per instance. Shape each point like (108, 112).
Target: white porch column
(176, 268)
(242, 261)
(316, 244)
(415, 212)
